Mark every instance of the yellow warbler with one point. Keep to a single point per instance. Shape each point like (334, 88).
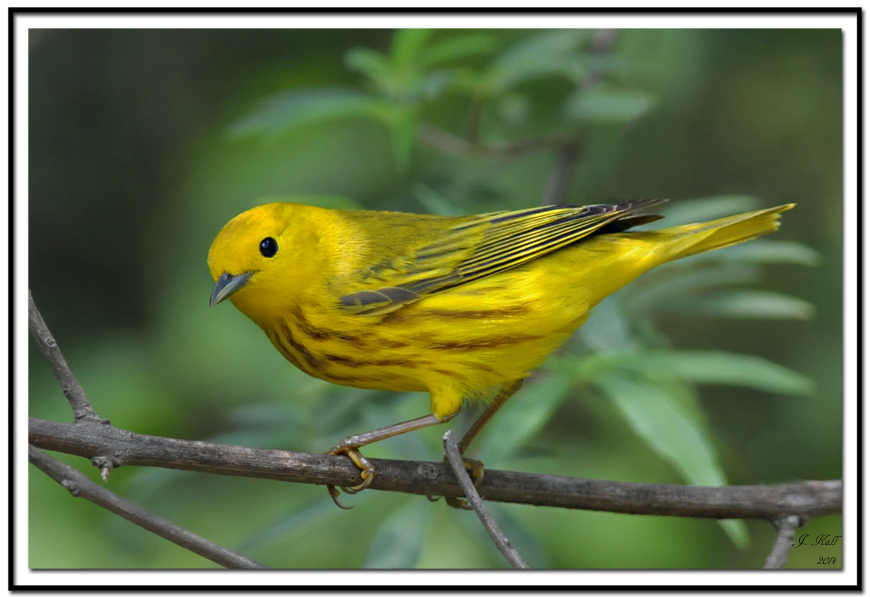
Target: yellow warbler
(455, 306)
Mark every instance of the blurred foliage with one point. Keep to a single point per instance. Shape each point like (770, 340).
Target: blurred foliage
(720, 368)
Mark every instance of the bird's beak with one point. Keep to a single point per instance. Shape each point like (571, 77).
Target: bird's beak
(226, 285)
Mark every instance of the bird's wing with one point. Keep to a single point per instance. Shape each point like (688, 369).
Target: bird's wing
(484, 245)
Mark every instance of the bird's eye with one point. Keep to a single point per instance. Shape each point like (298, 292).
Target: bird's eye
(268, 247)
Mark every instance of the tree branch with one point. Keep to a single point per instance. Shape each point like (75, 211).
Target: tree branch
(602, 43)
(108, 447)
(81, 406)
(785, 528)
(498, 537)
(569, 152)
(806, 500)
(80, 486)
(560, 175)
(450, 144)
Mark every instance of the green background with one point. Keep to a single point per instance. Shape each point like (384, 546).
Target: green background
(136, 162)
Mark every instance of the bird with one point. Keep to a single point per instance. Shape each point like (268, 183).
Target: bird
(460, 307)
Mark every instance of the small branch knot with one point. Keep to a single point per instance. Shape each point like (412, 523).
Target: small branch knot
(792, 521)
(72, 487)
(785, 527)
(430, 471)
(87, 415)
(105, 464)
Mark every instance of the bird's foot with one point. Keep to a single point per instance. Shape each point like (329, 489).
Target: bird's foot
(476, 469)
(367, 472)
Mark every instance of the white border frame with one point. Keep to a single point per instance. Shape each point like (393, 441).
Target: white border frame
(536, 580)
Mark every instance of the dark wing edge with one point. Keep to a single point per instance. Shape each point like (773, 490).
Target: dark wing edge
(377, 302)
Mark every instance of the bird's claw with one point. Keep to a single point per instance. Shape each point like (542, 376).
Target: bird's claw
(458, 503)
(367, 473)
(334, 494)
(476, 469)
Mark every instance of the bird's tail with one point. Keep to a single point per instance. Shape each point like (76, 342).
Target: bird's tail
(692, 239)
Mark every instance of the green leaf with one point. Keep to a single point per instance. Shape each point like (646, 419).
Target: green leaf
(403, 131)
(407, 46)
(513, 109)
(434, 202)
(679, 279)
(315, 512)
(540, 55)
(433, 84)
(707, 208)
(607, 328)
(745, 304)
(769, 251)
(657, 418)
(601, 105)
(372, 64)
(520, 537)
(578, 368)
(529, 548)
(685, 400)
(673, 430)
(346, 411)
(282, 112)
(151, 485)
(602, 63)
(524, 415)
(396, 79)
(458, 47)
(466, 80)
(736, 531)
(398, 542)
(714, 367)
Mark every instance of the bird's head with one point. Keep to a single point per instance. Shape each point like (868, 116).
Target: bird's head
(264, 258)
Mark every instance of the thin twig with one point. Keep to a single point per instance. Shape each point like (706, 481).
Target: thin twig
(475, 117)
(807, 500)
(109, 447)
(81, 406)
(80, 486)
(785, 528)
(560, 176)
(498, 537)
(569, 151)
(602, 42)
(448, 143)
(445, 141)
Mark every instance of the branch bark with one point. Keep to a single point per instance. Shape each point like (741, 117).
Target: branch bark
(785, 529)
(78, 400)
(106, 443)
(80, 486)
(450, 144)
(501, 541)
